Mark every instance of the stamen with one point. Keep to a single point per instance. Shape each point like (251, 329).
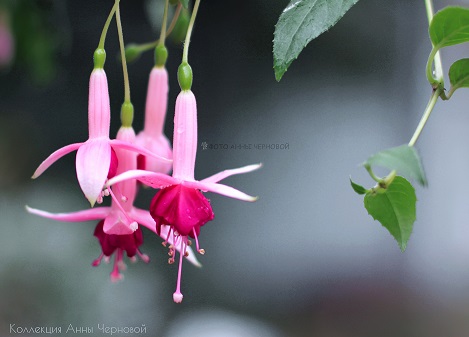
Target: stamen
(144, 257)
(201, 251)
(97, 262)
(107, 259)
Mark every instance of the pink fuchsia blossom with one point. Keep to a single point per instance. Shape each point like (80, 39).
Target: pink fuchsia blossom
(179, 203)
(118, 230)
(93, 160)
(152, 137)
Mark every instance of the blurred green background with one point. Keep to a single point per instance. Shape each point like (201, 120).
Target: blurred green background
(306, 259)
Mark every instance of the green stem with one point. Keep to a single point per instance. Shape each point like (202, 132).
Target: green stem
(372, 174)
(435, 54)
(163, 26)
(122, 48)
(429, 70)
(389, 179)
(151, 45)
(106, 26)
(174, 20)
(189, 32)
(426, 115)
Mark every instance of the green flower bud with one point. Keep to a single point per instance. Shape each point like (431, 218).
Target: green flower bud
(127, 114)
(99, 58)
(185, 76)
(161, 55)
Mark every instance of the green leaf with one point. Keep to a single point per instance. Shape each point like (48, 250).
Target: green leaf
(301, 22)
(449, 26)
(357, 188)
(394, 209)
(459, 74)
(184, 3)
(404, 159)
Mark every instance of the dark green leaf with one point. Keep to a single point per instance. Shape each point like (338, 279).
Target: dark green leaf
(404, 159)
(394, 209)
(459, 74)
(300, 22)
(357, 188)
(450, 26)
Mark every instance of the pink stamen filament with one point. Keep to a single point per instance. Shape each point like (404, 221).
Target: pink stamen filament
(97, 262)
(201, 251)
(144, 257)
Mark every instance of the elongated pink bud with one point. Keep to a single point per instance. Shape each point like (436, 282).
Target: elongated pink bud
(126, 190)
(99, 111)
(185, 136)
(157, 101)
(152, 137)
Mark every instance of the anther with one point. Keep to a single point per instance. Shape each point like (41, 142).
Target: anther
(201, 251)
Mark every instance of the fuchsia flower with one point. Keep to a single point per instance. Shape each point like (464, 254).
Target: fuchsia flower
(152, 137)
(93, 160)
(179, 203)
(119, 229)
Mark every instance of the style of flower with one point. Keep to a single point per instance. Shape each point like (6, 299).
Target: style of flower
(93, 160)
(152, 137)
(118, 230)
(179, 203)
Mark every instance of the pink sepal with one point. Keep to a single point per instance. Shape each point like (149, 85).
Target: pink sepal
(54, 157)
(92, 164)
(85, 215)
(220, 189)
(138, 149)
(153, 179)
(227, 173)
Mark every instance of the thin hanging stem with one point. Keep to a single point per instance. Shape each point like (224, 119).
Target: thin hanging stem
(437, 58)
(426, 115)
(122, 48)
(185, 53)
(106, 26)
(150, 45)
(174, 20)
(163, 26)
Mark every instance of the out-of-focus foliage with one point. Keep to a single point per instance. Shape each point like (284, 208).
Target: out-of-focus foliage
(34, 25)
